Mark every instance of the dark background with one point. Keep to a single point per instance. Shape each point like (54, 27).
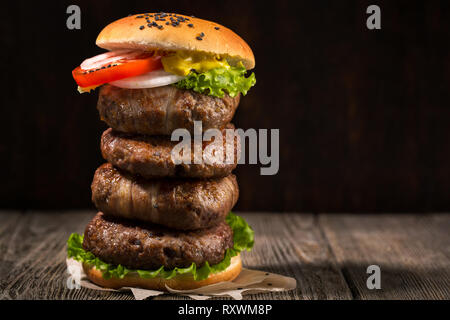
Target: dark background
(363, 115)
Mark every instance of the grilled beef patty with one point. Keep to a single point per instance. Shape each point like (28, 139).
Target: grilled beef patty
(138, 245)
(186, 204)
(150, 156)
(159, 111)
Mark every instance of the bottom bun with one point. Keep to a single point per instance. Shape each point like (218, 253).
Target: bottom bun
(179, 282)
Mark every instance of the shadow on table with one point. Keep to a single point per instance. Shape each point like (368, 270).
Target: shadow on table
(397, 282)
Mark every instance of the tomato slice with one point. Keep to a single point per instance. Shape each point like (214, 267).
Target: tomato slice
(117, 70)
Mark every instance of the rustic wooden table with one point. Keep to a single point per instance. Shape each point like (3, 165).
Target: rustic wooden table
(328, 254)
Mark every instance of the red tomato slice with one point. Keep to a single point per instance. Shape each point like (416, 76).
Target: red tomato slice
(117, 70)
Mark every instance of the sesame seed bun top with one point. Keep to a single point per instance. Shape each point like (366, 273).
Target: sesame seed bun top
(175, 32)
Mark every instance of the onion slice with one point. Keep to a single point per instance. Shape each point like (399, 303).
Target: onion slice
(107, 58)
(157, 78)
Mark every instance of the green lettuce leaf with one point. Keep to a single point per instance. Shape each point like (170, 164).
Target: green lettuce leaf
(217, 82)
(243, 238)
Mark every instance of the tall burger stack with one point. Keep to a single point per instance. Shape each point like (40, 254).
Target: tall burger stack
(161, 222)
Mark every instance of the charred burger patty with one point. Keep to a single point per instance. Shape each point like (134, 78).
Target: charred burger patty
(159, 111)
(150, 156)
(181, 204)
(140, 245)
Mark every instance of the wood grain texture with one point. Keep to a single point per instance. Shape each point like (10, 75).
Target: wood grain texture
(33, 264)
(292, 245)
(327, 254)
(9, 220)
(412, 251)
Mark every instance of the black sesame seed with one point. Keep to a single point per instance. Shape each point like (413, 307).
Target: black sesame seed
(190, 25)
(149, 25)
(269, 284)
(139, 16)
(160, 27)
(217, 28)
(202, 34)
(267, 273)
(167, 23)
(103, 67)
(109, 66)
(199, 38)
(239, 288)
(141, 27)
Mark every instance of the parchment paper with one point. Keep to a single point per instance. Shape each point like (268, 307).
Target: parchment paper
(248, 282)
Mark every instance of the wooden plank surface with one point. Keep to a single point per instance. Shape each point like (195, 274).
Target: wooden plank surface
(33, 265)
(327, 254)
(8, 223)
(412, 251)
(292, 245)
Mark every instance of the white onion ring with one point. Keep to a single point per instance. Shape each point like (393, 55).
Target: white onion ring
(106, 58)
(157, 78)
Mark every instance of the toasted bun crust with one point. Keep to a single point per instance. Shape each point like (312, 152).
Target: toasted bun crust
(133, 33)
(179, 282)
